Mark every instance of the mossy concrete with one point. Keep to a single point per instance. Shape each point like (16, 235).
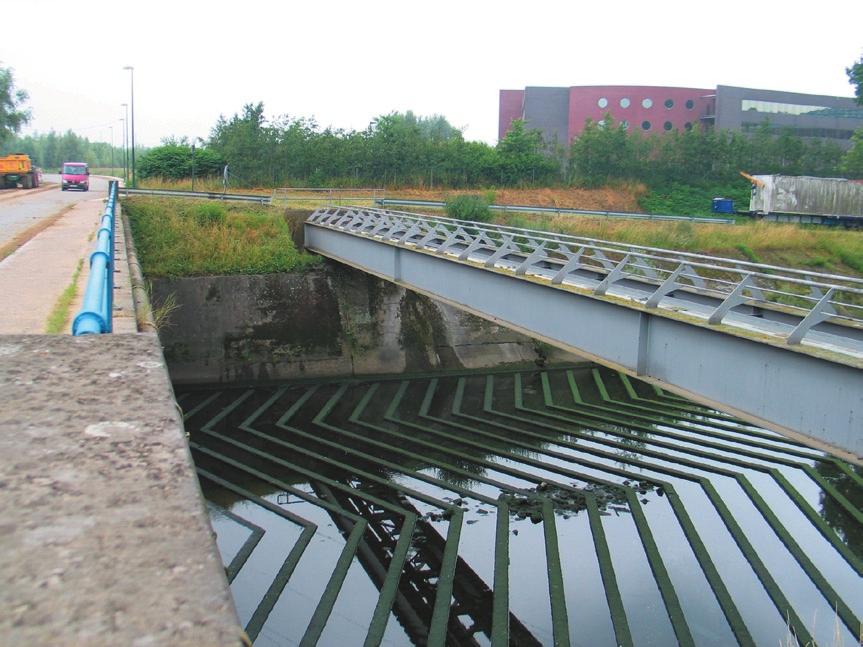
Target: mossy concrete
(330, 322)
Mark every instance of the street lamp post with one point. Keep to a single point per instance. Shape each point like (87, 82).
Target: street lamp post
(111, 128)
(132, 86)
(123, 156)
(126, 141)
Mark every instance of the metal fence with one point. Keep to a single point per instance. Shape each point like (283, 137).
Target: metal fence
(206, 195)
(654, 273)
(515, 208)
(328, 196)
(95, 314)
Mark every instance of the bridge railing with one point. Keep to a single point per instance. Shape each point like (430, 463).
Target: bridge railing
(657, 273)
(95, 314)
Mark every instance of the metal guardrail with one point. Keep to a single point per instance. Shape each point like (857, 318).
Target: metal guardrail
(95, 315)
(207, 195)
(329, 196)
(658, 273)
(626, 215)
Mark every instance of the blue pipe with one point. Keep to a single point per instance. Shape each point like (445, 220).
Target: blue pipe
(95, 315)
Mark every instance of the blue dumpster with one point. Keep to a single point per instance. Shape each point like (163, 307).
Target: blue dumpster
(723, 205)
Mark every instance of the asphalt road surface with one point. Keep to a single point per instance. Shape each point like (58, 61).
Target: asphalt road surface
(20, 209)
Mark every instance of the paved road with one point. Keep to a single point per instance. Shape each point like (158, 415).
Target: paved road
(27, 208)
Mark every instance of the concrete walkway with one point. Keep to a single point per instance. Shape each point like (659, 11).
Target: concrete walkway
(34, 277)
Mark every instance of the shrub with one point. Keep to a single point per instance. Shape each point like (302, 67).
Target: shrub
(469, 207)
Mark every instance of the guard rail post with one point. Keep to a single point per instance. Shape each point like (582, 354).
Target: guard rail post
(95, 315)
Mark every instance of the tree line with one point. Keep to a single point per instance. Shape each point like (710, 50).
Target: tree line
(403, 149)
(50, 150)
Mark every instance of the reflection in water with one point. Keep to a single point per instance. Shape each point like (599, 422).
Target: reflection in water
(417, 500)
(848, 483)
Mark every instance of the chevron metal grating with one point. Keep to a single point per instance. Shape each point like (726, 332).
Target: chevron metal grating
(568, 506)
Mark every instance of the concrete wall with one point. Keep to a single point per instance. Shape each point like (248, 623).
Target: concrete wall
(330, 322)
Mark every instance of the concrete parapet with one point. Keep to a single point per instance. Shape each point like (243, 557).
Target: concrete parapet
(104, 537)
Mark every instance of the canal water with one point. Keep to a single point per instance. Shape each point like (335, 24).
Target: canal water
(568, 506)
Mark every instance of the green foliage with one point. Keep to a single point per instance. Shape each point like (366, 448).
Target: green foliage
(188, 238)
(852, 162)
(13, 114)
(601, 152)
(677, 199)
(52, 149)
(855, 78)
(469, 207)
(521, 158)
(175, 161)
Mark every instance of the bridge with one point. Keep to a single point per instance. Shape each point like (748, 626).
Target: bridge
(780, 348)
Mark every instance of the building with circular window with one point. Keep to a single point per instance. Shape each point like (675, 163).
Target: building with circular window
(561, 113)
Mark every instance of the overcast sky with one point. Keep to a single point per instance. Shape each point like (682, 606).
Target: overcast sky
(346, 62)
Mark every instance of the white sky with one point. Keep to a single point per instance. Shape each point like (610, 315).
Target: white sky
(346, 62)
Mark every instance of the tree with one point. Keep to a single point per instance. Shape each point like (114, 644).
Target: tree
(855, 78)
(13, 114)
(601, 152)
(521, 159)
(852, 162)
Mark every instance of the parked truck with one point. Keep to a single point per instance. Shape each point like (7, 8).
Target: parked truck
(18, 169)
(812, 200)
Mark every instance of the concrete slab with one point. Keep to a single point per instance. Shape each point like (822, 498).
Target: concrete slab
(104, 537)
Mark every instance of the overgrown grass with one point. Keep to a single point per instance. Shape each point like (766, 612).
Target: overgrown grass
(212, 184)
(805, 247)
(58, 320)
(687, 200)
(177, 237)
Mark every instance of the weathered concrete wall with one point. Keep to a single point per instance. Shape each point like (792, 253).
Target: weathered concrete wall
(328, 322)
(104, 535)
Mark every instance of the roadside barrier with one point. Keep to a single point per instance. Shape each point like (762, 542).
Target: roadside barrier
(95, 315)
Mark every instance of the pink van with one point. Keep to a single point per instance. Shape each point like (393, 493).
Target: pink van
(75, 175)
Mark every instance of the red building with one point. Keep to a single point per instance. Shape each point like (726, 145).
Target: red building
(563, 111)
(560, 113)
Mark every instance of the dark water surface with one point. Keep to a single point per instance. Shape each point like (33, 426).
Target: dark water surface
(566, 506)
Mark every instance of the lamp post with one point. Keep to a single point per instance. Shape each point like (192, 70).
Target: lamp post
(111, 128)
(132, 86)
(126, 141)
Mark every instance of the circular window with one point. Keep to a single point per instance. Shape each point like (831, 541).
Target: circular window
(645, 125)
(688, 125)
(667, 125)
(624, 124)
(647, 103)
(690, 104)
(624, 102)
(602, 103)
(669, 104)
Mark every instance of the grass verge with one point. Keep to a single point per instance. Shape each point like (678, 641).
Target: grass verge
(804, 247)
(177, 237)
(59, 317)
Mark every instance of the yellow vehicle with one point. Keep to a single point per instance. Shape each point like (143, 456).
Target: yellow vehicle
(18, 169)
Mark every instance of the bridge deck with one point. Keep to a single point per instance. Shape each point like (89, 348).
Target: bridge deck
(744, 365)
